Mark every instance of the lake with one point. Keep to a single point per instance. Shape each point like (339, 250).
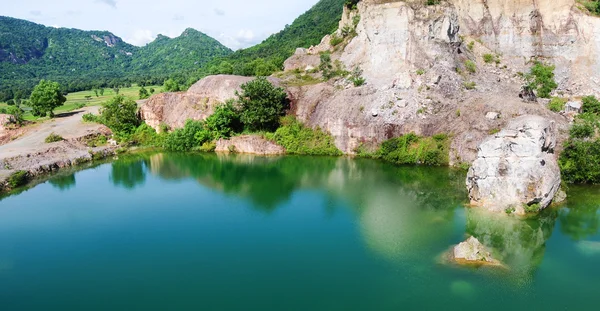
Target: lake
(215, 232)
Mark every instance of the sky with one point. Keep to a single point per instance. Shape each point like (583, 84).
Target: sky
(235, 23)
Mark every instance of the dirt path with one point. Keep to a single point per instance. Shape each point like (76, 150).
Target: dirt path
(67, 125)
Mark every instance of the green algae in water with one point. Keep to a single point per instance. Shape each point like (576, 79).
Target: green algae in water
(204, 231)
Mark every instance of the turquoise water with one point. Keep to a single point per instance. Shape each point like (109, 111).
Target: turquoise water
(208, 232)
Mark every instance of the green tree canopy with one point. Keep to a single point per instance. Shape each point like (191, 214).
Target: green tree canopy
(120, 114)
(144, 93)
(46, 97)
(262, 104)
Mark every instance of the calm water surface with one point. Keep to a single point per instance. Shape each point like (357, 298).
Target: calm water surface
(208, 232)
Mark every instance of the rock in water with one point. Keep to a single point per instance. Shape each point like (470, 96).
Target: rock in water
(516, 169)
(472, 251)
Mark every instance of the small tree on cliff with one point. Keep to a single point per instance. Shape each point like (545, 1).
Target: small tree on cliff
(262, 104)
(46, 97)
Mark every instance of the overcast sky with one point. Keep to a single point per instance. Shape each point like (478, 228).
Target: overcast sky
(236, 23)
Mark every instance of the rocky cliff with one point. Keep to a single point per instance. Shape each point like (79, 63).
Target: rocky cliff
(425, 71)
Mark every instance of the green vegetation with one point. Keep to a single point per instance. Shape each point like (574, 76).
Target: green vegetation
(262, 105)
(299, 139)
(46, 97)
(491, 58)
(52, 138)
(143, 93)
(192, 135)
(357, 78)
(557, 104)
(84, 60)
(420, 72)
(411, 149)
(470, 66)
(120, 115)
(593, 6)
(470, 85)
(17, 179)
(580, 160)
(541, 79)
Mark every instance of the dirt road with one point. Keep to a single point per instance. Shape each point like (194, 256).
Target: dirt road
(67, 125)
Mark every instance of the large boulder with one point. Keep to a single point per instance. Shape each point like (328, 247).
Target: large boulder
(198, 103)
(472, 251)
(516, 170)
(249, 144)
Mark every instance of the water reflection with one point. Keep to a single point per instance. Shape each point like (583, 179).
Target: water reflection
(581, 219)
(63, 182)
(129, 172)
(518, 243)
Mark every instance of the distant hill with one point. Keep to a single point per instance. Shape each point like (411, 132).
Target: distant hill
(76, 58)
(80, 59)
(308, 29)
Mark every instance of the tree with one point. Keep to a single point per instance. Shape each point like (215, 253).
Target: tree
(120, 114)
(171, 86)
(144, 93)
(96, 92)
(225, 68)
(101, 92)
(225, 121)
(262, 104)
(46, 97)
(116, 90)
(152, 90)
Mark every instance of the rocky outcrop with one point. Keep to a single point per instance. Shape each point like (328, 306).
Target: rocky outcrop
(472, 251)
(198, 103)
(516, 170)
(250, 144)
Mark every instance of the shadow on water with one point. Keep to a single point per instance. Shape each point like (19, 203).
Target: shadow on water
(63, 183)
(580, 218)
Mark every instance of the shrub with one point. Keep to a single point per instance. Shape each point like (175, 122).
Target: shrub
(357, 78)
(143, 93)
(488, 58)
(470, 85)
(18, 179)
(541, 79)
(185, 139)
(97, 141)
(412, 149)
(146, 136)
(89, 117)
(557, 104)
(298, 139)
(262, 104)
(580, 161)
(225, 121)
(420, 72)
(591, 105)
(471, 66)
(16, 112)
(120, 115)
(52, 138)
(336, 40)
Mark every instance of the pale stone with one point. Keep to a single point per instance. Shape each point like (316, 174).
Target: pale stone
(516, 169)
(249, 144)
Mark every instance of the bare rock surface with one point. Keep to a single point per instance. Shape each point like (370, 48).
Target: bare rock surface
(250, 144)
(517, 167)
(198, 103)
(472, 251)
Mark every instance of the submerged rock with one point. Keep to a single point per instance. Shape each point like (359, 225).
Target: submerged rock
(250, 144)
(472, 251)
(516, 169)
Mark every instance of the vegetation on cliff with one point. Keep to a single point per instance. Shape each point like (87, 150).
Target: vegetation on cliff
(580, 160)
(411, 149)
(299, 139)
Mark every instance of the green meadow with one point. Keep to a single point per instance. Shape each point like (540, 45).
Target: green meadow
(89, 98)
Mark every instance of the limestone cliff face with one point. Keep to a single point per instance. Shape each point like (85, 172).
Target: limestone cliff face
(551, 29)
(413, 58)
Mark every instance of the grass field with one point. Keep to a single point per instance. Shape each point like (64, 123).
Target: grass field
(74, 100)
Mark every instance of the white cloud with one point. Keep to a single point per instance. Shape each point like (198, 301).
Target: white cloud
(141, 37)
(219, 12)
(112, 3)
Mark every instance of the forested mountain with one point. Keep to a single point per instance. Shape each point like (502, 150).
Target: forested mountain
(80, 60)
(267, 57)
(190, 51)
